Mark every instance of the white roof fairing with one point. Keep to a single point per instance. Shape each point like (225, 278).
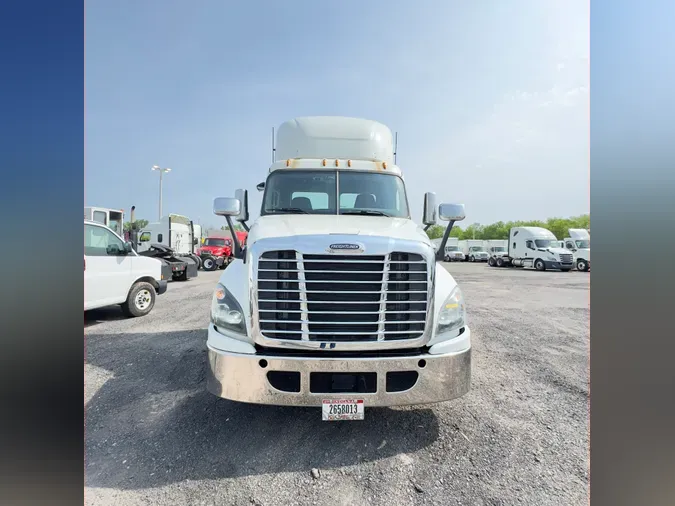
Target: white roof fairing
(334, 137)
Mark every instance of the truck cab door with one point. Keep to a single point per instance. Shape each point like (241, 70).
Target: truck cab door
(107, 268)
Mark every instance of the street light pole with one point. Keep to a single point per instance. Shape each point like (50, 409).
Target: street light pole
(161, 174)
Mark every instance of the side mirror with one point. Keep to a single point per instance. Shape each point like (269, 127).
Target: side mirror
(451, 212)
(195, 242)
(226, 206)
(429, 212)
(260, 186)
(242, 196)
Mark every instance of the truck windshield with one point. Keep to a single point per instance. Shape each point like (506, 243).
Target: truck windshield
(475, 248)
(583, 244)
(451, 248)
(215, 242)
(546, 243)
(319, 192)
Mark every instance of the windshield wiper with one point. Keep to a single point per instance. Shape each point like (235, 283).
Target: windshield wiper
(286, 210)
(367, 212)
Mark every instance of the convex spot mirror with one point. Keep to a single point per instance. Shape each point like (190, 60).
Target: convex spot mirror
(242, 197)
(429, 212)
(451, 212)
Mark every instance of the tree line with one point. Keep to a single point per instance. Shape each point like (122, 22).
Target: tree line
(500, 230)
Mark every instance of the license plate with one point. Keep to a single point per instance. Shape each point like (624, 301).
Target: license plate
(342, 409)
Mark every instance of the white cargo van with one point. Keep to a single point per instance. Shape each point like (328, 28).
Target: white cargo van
(579, 243)
(115, 274)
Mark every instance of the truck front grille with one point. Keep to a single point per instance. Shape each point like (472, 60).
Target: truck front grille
(342, 298)
(566, 258)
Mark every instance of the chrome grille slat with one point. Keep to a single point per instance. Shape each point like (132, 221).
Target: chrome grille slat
(316, 297)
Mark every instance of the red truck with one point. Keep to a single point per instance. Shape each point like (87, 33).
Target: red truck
(216, 252)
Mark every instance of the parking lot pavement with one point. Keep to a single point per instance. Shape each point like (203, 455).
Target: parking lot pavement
(521, 436)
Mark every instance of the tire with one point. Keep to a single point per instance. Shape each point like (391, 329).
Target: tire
(582, 265)
(500, 262)
(491, 262)
(140, 301)
(539, 264)
(446, 259)
(472, 258)
(182, 276)
(209, 264)
(196, 259)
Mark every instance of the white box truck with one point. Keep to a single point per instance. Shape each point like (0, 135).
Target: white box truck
(537, 248)
(452, 252)
(111, 218)
(338, 299)
(579, 243)
(496, 249)
(473, 250)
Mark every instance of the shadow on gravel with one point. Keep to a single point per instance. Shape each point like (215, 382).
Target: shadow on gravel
(104, 314)
(153, 423)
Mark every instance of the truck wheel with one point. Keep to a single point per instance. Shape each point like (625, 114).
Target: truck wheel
(491, 262)
(539, 264)
(196, 259)
(209, 264)
(581, 265)
(472, 258)
(500, 262)
(140, 301)
(182, 276)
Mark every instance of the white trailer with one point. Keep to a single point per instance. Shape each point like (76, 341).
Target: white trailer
(111, 218)
(474, 250)
(579, 243)
(535, 247)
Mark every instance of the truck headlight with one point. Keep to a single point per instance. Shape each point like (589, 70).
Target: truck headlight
(226, 311)
(453, 313)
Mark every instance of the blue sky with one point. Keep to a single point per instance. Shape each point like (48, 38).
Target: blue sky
(490, 99)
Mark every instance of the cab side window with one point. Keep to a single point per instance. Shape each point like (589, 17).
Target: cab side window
(145, 237)
(529, 244)
(98, 241)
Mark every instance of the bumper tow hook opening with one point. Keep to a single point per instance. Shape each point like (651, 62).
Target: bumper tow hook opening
(262, 363)
(422, 364)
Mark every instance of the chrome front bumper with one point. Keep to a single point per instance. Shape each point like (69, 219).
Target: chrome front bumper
(242, 377)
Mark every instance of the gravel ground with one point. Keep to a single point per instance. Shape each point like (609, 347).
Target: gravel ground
(521, 436)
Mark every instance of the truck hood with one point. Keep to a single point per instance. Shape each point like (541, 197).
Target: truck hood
(286, 225)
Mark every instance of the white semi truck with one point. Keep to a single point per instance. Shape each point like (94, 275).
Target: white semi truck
(537, 248)
(338, 299)
(175, 231)
(473, 250)
(579, 243)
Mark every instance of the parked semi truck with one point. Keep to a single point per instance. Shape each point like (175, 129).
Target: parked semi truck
(174, 231)
(111, 218)
(537, 248)
(338, 298)
(181, 267)
(579, 243)
(473, 250)
(452, 252)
